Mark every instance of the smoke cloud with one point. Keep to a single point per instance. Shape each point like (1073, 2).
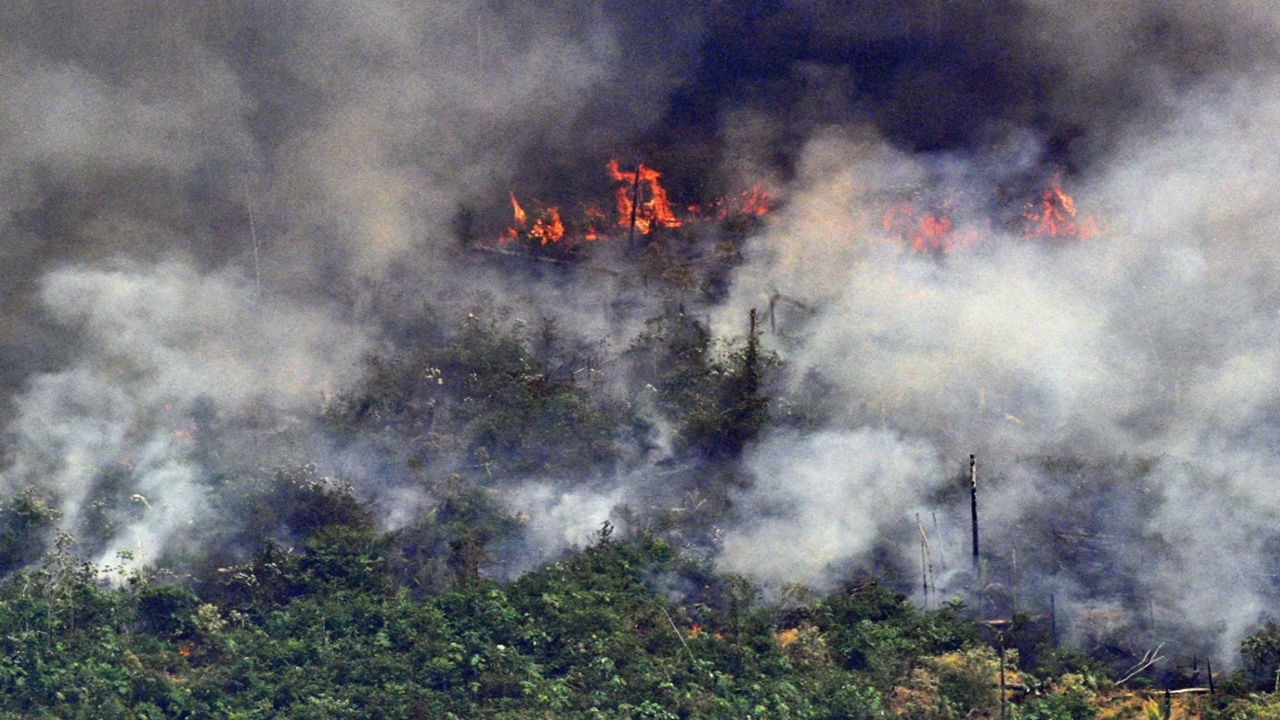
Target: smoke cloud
(1155, 343)
(834, 493)
(158, 345)
(211, 215)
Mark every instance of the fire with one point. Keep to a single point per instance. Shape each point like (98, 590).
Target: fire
(547, 226)
(932, 231)
(518, 211)
(548, 229)
(597, 222)
(756, 202)
(1054, 216)
(642, 204)
(633, 208)
(640, 201)
(752, 203)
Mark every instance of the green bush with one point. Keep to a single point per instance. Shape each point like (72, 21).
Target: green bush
(27, 519)
(1063, 706)
(714, 391)
(488, 396)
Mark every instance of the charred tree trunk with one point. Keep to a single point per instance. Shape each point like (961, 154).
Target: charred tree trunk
(635, 205)
(1003, 692)
(973, 506)
(1053, 621)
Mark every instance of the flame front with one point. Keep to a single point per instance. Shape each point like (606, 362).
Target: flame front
(547, 226)
(641, 202)
(1054, 216)
(931, 232)
(756, 202)
(636, 208)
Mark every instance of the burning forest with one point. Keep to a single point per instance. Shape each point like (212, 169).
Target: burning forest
(730, 291)
(642, 214)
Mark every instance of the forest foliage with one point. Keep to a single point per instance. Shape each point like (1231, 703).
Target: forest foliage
(303, 604)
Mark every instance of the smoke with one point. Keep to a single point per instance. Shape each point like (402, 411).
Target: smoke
(557, 519)
(212, 214)
(212, 211)
(819, 501)
(159, 344)
(1155, 343)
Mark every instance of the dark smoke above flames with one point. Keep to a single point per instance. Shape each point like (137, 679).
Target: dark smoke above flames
(227, 205)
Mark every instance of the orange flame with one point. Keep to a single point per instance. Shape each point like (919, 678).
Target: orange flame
(518, 211)
(1054, 215)
(639, 198)
(756, 202)
(647, 213)
(521, 219)
(931, 232)
(596, 220)
(546, 228)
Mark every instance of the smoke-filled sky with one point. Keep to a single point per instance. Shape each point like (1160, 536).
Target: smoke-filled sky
(225, 202)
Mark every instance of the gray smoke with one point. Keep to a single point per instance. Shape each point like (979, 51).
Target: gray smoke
(822, 500)
(1155, 341)
(158, 342)
(215, 207)
(224, 206)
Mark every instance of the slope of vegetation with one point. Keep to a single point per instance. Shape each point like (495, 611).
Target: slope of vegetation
(327, 632)
(626, 628)
(290, 602)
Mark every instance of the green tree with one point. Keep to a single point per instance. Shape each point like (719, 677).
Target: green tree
(712, 390)
(490, 397)
(27, 521)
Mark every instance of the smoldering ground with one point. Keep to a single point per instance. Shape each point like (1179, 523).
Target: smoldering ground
(228, 206)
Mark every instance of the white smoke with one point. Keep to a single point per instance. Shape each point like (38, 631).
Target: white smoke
(821, 500)
(1155, 339)
(219, 205)
(556, 519)
(156, 341)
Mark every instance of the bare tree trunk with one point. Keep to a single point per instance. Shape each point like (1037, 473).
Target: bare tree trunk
(635, 205)
(1053, 620)
(973, 505)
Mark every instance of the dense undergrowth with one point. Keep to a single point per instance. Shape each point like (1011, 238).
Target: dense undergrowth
(330, 631)
(288, 601)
